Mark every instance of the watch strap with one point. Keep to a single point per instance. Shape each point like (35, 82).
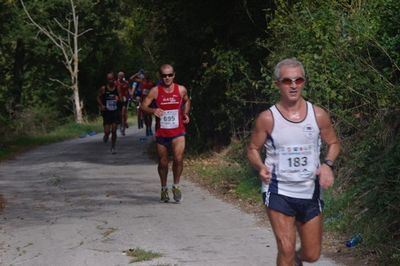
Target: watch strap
(329, 163)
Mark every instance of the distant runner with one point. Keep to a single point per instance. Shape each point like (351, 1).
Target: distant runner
(172, 113)
(123, 90)
(292, 175)
(146, 86)
(107, 100)
(136, 80)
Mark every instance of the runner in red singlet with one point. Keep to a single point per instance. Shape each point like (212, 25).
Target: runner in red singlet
(172, 113)
(123, 90)
(146, 86)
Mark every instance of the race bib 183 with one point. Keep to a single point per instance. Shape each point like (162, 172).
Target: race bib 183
(296, 162)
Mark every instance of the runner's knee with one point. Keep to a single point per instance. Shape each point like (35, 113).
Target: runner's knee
(311, 255)
(178, 159)
(286, 247)
(163, 162)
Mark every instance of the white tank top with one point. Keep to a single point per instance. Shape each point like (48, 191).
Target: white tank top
(292, 156)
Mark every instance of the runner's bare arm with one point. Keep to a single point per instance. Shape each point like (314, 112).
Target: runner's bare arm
(186, 100)
(134, 77)
(119, 93)
(328, 136)
(261, 129)
(98, 98)
(147, 101)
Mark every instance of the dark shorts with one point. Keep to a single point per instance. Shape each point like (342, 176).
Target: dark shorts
(124, 104)
(111, 117)
(167, 141)
(153, 104)
(302, 209)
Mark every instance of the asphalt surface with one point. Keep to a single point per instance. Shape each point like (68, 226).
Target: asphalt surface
(74, 203)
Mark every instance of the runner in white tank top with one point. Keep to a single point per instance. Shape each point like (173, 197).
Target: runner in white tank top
(293, 155)
(292, 175)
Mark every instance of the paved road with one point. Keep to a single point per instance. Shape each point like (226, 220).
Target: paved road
(73, 203)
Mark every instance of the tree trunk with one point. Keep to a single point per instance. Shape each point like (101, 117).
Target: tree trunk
(75, 69)
(70, 53)
(77, 104)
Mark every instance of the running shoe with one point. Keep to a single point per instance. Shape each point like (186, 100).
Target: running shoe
(122, 130)
(177, 194)
(297, 261)
(164, 195)
(113, 151)
(105, 138)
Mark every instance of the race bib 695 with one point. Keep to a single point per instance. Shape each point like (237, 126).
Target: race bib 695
(169, 119)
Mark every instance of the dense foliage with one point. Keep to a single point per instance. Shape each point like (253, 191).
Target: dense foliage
(351, 54)
(224, 52)
(30, 64)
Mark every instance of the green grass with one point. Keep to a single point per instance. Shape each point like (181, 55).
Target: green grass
(249, 188)
(227, 173)
(366, 195)
(139, 254)
(17, 144)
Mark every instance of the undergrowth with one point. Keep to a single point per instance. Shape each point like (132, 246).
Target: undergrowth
(363, 200)
(227, 172)
(30, 139)
(366, 195)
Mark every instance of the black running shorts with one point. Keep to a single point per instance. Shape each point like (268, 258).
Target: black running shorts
(111, 117)
(302, 209)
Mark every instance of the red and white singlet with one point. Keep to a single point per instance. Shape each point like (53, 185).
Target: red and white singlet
(170, 124)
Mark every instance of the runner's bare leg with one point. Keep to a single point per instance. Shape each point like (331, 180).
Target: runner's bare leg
(162, 164)
(178, 149)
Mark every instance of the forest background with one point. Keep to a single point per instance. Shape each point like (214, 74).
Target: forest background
(224, 53)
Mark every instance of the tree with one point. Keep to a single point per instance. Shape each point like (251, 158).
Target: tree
(68, 45)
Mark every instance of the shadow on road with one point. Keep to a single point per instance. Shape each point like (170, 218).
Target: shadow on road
(77, 178)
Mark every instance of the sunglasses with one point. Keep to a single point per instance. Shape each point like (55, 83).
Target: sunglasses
(167, 75)
(289, 81)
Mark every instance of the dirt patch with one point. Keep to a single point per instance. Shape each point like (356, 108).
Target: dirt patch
(333, 244)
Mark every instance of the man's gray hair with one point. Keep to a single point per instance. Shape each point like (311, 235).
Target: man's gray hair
(290, 62)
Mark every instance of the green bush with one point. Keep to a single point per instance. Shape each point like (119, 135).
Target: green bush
(35, 121)
(223, 100)
(350, 52)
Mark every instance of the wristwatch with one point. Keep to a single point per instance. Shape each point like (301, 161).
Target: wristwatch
(330, 164)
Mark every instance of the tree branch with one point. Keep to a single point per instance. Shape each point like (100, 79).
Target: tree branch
(60, 82)
(48, 33)
(62, 27)
(69, 49)
(85, 31)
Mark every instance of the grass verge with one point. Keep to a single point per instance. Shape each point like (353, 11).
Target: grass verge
(138, 255)
(227, 175)
(18, 144)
